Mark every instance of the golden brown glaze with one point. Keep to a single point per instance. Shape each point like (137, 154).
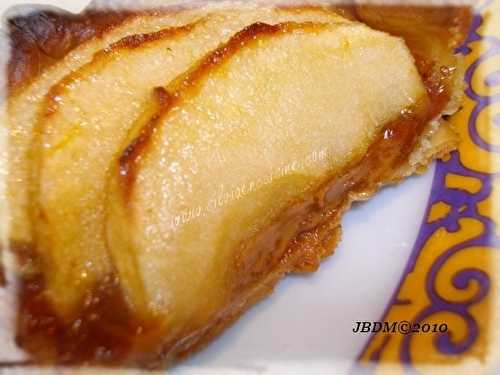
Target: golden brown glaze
(106, 332)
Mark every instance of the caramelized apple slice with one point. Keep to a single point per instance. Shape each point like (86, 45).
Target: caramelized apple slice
(25, 102)
(210, 197)
(87, 118)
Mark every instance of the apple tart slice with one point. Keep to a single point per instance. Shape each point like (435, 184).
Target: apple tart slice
(180, 173)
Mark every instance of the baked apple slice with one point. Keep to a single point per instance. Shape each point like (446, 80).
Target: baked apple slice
(26, 98)
(85, 121)
(238, 178)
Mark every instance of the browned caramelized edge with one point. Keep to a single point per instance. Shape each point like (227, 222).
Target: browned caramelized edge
(105, 332)
(3, 277)
(129, 159)
(190, 82)
(138, 40)
(42, 38)
(128, 43)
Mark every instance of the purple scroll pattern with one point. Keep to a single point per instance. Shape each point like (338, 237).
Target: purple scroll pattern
(448, 277)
